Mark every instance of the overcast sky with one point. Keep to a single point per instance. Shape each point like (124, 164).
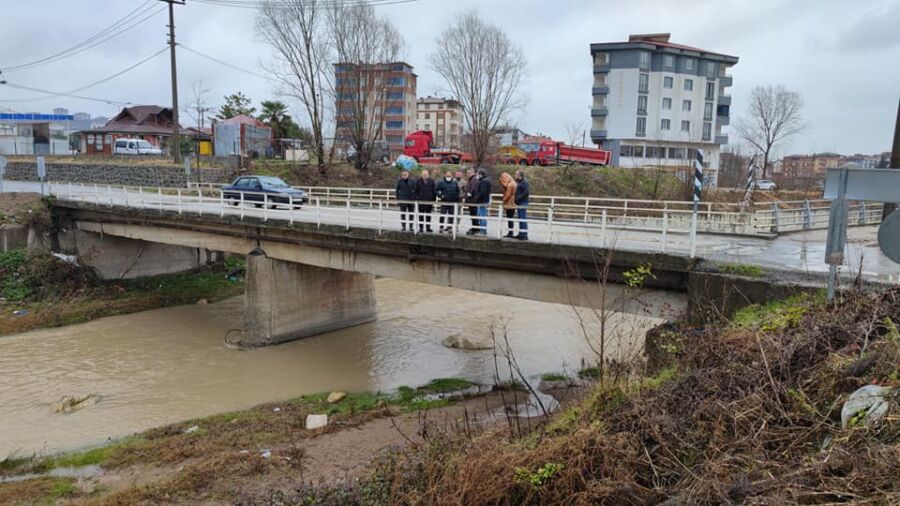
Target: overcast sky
(841, 56)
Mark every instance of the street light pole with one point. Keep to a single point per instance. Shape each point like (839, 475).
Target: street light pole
(176, 134)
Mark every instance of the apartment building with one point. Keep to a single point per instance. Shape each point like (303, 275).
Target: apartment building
(656, 102)
(390, 100)
(809, 165)
(443, 118)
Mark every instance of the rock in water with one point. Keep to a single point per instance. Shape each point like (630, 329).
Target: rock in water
(69, 403)
(467, 343)
(335, 397)
(202, 302)
(316, 421)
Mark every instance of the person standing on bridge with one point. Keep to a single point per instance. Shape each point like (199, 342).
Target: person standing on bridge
(471, 189)
(462, 183)
(448, 194)
(523, 193)
(425, 194)
(406, 194)
(509, 202)
(483, 201)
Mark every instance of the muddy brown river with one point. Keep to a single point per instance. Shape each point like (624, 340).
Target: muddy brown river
(168, 365)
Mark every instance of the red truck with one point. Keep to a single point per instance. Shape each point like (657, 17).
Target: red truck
(548, 152)
(419, 146)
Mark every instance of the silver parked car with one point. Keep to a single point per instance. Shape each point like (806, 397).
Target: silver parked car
(765, 184)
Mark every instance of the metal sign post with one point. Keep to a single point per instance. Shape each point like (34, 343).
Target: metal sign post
(41, 171)
(873, 185)
(187, 168)
(2, 172)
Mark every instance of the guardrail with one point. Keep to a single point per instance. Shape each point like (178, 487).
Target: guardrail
(759, 220)
(646, 229)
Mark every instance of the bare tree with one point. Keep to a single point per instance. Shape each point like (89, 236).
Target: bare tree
(775, 116)
(575, 132)
(297, 32)
(365, 46)
(199, 104)
(483, 69)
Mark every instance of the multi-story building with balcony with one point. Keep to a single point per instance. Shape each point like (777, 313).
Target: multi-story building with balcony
(657, 102)
(814, 165)
(390, 100)
(443, 118)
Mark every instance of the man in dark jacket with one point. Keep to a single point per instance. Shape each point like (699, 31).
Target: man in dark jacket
(523, 193)
(469, 198)
(448, 193)
(425, 194)
(482, 198)
(406, 194)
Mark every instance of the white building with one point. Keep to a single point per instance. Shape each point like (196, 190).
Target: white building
(443, 118)
(656, 102)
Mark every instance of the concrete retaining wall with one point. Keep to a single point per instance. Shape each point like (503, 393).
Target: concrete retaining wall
(170, 177)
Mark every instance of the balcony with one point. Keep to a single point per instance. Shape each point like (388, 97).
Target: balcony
(725, 80)
(600, 90)
(601, 68)
(598, 134)
(598, 112)
(724, 99)
(723, 120)
(721, 139)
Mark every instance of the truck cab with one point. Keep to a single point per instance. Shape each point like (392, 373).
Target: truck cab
(418, 144)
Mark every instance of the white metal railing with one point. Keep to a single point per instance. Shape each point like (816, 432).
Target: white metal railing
(646, 229)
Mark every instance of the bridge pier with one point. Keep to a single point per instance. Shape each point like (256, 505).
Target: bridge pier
(122, 258)
(284, 301)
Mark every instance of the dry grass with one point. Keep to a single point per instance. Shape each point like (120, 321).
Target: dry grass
(751, 415)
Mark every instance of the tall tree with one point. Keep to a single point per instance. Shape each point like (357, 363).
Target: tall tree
(483, 69)
(364, 45)
(199, 104)
(236, 104)
(775, 116)
(275, 114)
(297, 32)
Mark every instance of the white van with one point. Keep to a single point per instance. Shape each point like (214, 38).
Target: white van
(134, 147)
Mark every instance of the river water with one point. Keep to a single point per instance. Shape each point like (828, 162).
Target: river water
(168, 365)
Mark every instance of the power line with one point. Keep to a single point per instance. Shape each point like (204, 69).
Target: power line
(131, 20)
(61, 94)
(96, 83)
(224, 63)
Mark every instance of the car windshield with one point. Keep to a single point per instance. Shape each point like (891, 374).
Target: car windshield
(144, 145)
(273, 182)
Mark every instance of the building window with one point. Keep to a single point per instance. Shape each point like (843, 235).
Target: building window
(655, 152)
(627, 151)
(393, 110)
(711, 90)
(398, 67)
(685, 126)
(666, 124)
(710, 69)
(396, 81)
(645, 61)
(644, 83)
(686, 106)
(427, 115)
(707, 131)
(641, 129)
(395, 95)
(667, 104)
(688, 85)
(668, 61)
(427, 127)
(642, 104)
(393, 124)
(688, 64)
(668, 83)
(601, 59)
(707, 111)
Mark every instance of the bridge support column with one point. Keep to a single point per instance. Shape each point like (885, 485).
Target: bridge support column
(284, 301)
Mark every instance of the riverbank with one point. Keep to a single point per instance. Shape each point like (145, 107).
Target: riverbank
(242, 455)
(43, 291)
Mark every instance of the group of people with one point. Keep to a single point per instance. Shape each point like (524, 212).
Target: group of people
(474, 189)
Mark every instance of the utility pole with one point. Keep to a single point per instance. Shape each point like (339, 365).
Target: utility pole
(176, 134)
(895, 161)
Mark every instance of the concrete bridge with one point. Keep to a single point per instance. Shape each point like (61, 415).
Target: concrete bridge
(311, 270)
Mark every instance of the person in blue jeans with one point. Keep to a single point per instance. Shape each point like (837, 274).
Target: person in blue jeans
(482, 198)
(523, 192)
